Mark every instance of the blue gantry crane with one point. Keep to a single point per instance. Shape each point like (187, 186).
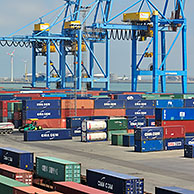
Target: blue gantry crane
(143, 25)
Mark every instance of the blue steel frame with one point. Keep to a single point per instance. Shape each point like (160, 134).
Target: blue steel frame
(103, 8)
(161, 25)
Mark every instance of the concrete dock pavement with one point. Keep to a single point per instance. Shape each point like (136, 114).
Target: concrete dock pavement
(164, 168)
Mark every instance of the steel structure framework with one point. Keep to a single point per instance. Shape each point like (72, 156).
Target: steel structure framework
(102, 33)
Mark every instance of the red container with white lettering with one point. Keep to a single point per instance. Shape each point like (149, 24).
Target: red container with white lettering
(188, 124)
(16, 173)
(173, 132)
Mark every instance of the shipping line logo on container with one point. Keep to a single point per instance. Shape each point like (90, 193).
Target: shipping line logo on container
(44, 114)
(172, 144)
(152, 134)
(137, 123)
(50, 135)
(50, 170)
(43, 104)
(102, 183)
(7, 158)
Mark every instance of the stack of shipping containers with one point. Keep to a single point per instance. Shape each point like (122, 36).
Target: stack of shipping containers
(116, 125)
(148, 139)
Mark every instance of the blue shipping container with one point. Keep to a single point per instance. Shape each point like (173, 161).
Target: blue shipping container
(109, 104)
(140, 112)
(54, 95)
(42, 114)
(128, 140)
(45, 135)
(172, 190)
(140, 104)
(76, 131)
(136, 122)
(114, 182)
(150, 122)
(169, 103)
(189, 140)
(41, 104)
(174, 144)
(128, 97)
(169, 114)
(189, 151)
(73, 122)
(189, 103)
(149, 145)
(17, 158)
(148, 133)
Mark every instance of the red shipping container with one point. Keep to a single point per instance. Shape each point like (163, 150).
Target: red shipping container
(28, 190)
(72, 188)
(52, 192)
(188, 125)
(109, 112)
(131, 131)
(150, 116)
(79, 104)
(17, 115)
(78, 112)
(173, 132)
(16, 173)
(4, 112)
(27, 95)
(49, 123)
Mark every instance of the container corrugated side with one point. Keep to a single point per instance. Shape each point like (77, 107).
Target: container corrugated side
(17, 158)
(169, 103)
(109, 104)
(149, 145)
(72, 188)
(189, 151)
(114, 182)
(174, 132)
(57, 169)
(110, 132)
(173, 190)
(41, 104)
(16, 173)
(140, 104)
(28, 190)
(117, 124)
(47, 135)
(174, 143)
(169, 114)
(148, 133)
(140, 111)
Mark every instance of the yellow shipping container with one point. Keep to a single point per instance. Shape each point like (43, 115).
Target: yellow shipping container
(41, 27)
(138, 16)
(72, 25)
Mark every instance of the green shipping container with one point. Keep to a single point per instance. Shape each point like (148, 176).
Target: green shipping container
(115, 131)
(117, 139)
(7, 184)
(58, 169)
(117, 124)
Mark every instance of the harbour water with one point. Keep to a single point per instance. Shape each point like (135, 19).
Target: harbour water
(116, 86)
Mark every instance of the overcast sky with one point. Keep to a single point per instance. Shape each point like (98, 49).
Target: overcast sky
(14, 14)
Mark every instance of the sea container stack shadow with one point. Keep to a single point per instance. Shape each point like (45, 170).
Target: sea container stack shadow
(116, 125)
(148, 139)
(95, 130)
(114, 182)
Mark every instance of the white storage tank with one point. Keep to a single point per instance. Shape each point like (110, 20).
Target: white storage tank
(99, 136)
(94, 125)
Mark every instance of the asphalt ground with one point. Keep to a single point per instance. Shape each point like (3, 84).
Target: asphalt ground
(164, 168)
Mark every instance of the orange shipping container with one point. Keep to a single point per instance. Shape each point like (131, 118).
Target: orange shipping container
(79, 104)
(28, 190)
(78, 112)
(109, 112)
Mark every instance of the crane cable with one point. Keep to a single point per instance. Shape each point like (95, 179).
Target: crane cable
(120, 34)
